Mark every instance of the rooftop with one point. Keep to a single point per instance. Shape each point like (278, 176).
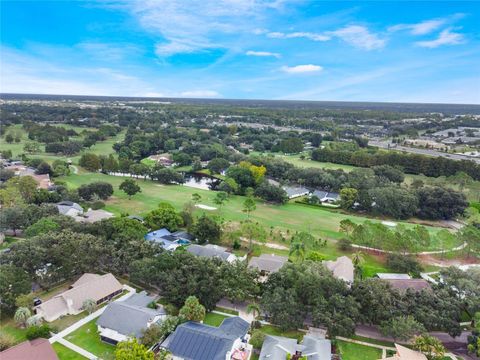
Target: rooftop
(195, 341)
(38, 349)
(268, 262)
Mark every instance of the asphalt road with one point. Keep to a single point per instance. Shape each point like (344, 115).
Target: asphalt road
(385, 144)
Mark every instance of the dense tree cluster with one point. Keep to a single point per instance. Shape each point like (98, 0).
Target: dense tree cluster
(410, 163)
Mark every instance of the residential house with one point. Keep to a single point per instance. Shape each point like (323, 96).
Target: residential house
(37, 349)
(312, 348)
(69, 208)
(99, 288)
(325, 196)
(403, 285)
(393, 276)
(170, 241)
(296, 191)
(267, 263)
(404, 353)
(342, 268)
(212, 251)
(124, 319)
(92, 216)
(195, 341)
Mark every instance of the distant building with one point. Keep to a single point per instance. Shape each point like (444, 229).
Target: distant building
(295, 191)
(392, 276)
(124, 319)
(38, 349)
(342, 268)
(69, 208)
(403, 285)
(92, 216)
(212, 251)
(325, 196)
(311, 348)
(267, 263)
(170, 241)
(195, 341)
(99, 288)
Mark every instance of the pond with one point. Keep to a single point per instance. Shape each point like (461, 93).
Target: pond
(201, 181)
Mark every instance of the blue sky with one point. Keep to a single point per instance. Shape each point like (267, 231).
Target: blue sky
(395, 51)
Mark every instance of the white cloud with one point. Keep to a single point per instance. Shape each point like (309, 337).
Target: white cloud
(360, 37)
(262, 53)
(200, 94)
(300, 69)
(294, 35)
(446, 37)
(188, 26)
(422, 28)
(355, 35)
(427, 26)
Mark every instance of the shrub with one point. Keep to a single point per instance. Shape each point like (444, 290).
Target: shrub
(6, 341)
(344, 244)
(97, 205)
(257, 338)
(42, 331)
(404, 264)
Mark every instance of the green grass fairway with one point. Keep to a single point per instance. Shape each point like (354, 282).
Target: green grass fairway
(214, 319)
(65, 353)
(87, 337)
(293, 216)
(352, 351)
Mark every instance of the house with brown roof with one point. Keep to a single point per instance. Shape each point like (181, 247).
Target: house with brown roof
(38, 349)
(99, 288)
(342, 268)
(403, 285)
(404, 353)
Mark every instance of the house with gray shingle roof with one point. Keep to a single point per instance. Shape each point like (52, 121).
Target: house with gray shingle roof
(69, 208)
(212, 251)
(126, 319)
(267, 263)
(195, 341)
(311, 348)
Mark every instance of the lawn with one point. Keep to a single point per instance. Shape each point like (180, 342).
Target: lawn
(226, 311)
(65, 353)
(352, 351)
(8, 326)
(275, 331)
(87, 337)
(214, 319)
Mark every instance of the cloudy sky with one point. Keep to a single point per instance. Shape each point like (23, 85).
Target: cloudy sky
(396, 51)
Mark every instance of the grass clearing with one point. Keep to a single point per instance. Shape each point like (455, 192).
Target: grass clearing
(214, 319)
(100, 148)
(65, 353)
(275, 331)
(87, 337)
(351, 351)
(226, 311)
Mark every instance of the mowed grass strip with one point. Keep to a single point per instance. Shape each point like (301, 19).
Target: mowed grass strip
(88, 338)
(65, 353)
(351, 351)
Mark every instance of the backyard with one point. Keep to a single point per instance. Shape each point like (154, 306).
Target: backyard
(351, 351)
(87, 337)
(65, 353)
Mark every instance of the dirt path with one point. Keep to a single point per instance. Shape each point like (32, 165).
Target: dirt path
(267, 244)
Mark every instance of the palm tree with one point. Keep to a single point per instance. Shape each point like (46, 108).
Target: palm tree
(21, 316)
(358, 260)
(253, 309)
(297, 250)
